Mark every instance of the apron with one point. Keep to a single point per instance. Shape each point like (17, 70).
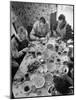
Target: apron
(61, 32)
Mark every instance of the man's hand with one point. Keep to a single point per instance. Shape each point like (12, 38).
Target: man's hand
(20, 53)
(25, 50)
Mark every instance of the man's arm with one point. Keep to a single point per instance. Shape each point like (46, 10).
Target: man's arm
(48, 32)
(32, 33)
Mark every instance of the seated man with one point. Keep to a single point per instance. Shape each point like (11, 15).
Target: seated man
(40, 30)
(18, 43)
(62, 28)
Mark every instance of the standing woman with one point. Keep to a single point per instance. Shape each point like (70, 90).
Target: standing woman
(62, 29)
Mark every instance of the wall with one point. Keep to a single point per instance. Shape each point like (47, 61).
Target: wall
(28, 13)
(67, 11)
